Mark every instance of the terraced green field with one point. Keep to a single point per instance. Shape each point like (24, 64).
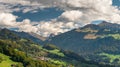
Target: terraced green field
(115, 36)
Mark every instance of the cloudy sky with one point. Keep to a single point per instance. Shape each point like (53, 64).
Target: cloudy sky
(54, 16)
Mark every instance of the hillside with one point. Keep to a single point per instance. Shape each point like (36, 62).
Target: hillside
(93, 42)
(5, 61)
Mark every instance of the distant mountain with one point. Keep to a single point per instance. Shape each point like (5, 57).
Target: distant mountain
(91, 41)
(37, 36)
(31, 36)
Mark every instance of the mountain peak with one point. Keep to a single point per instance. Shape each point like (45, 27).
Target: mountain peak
(109, 25)
(104, 23)
(91, 26)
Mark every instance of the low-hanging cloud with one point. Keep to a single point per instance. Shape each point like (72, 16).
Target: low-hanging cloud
(76, 13)
(8, 20)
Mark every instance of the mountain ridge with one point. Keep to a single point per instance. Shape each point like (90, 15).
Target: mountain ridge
(91, 40)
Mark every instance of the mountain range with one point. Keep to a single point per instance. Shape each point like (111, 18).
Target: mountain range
(89, 46)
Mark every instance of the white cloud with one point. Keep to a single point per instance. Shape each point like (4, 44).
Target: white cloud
(19, 5)
(72, 15)
(26, 26)
(55, 27)
(92, 10)
(7, 19)
(50, 27)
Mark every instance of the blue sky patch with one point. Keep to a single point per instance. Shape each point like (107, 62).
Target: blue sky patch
(116, 2)
(42, 14)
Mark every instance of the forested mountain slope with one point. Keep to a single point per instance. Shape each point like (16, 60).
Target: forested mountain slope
(94, 42)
